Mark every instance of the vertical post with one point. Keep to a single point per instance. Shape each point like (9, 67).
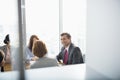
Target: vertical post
(60, 20)
(22, 40)
(24, 27)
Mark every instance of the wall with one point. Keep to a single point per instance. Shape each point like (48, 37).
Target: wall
(103, 37)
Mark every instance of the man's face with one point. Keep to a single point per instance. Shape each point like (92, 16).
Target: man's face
(65, 40)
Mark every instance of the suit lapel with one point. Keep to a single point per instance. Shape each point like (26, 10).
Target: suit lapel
(62, 50)
(70, 52)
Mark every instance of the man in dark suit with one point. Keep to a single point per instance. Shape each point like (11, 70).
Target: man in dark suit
(69, 53)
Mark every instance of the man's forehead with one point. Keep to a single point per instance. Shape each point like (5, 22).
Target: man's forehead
(64, 36)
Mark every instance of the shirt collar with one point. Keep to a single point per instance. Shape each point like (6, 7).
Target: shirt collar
(67, 48)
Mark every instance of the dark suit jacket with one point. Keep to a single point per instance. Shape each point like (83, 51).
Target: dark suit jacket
(74, 57)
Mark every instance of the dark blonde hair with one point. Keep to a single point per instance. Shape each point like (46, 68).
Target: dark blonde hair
(31, 41)
(39, 49)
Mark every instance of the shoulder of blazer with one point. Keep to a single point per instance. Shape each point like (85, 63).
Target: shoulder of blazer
(73, 47)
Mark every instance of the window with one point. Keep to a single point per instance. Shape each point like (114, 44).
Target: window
(42, 19)
(74, 21)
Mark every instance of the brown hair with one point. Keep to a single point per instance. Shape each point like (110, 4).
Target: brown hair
(31, 41)
(39, 49)
(67, 34)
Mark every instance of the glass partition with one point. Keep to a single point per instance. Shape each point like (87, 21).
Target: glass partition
(9, 26)
(42, 19)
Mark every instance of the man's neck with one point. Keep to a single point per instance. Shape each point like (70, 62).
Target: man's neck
(67, 45)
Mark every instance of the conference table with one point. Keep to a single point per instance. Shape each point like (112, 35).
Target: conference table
(71, 72)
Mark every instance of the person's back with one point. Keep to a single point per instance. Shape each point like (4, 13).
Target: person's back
(44, 62)
(40, 50)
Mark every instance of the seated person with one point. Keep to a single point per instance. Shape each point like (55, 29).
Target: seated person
(29, 55)
(7, 52)
(69, 54)
(2, 62)
(40, 50)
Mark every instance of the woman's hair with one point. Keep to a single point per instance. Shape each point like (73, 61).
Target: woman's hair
(1, 55)
(31, 41)
(39, 49)
(7, 39)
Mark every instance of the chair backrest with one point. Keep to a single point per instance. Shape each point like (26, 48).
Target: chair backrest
(83, 58)
(2, 69)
